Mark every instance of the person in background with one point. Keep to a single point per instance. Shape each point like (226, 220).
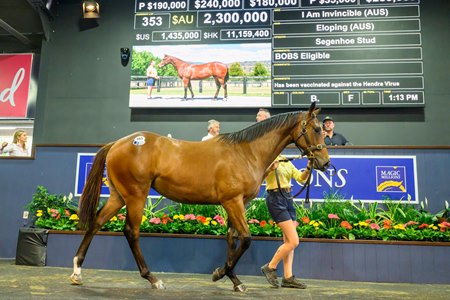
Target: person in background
(19, 145)
(213, 129)
(331, 137)
(262, 114)
(152, 76)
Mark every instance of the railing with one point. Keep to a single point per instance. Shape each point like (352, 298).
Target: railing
(140, 82)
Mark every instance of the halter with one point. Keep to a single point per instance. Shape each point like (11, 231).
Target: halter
(309, 151)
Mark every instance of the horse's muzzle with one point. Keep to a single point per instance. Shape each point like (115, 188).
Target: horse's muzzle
(321, 166)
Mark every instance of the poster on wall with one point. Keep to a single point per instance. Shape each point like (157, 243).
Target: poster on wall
(18, 86)
(16, 138)
(364, 178)
(214, 75)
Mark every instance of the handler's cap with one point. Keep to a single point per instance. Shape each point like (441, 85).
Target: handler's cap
(327, 118)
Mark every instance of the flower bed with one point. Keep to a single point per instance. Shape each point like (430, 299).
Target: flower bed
(331, 219)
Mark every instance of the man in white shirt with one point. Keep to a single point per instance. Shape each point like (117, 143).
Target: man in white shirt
(262, 114)
(213, 129)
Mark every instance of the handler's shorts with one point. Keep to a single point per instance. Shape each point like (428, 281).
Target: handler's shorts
(280, 208)
(150, 81)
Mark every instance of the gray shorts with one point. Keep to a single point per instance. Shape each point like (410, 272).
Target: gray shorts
(281, 208)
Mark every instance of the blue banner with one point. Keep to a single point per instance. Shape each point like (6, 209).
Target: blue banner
(361, 178)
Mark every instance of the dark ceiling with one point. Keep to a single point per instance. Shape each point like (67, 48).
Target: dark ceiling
(24, 24)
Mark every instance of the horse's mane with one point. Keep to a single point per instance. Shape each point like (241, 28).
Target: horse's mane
(259, 129)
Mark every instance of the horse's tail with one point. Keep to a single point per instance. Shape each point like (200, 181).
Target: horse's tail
(90, 196)
(227, 76)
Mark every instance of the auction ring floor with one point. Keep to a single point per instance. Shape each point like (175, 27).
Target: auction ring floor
(27, 282)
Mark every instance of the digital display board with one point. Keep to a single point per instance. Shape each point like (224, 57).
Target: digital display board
(279, 53)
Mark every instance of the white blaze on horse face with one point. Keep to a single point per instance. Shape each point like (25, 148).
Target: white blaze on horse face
(139, 140)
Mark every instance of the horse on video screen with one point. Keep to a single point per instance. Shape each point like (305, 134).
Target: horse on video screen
(188, 72)
(227, 170)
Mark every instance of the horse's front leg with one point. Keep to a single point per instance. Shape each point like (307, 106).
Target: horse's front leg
(238, 229)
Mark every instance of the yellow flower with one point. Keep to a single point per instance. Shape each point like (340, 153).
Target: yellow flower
(113, 219)
(74, 217)
(181, 217)
(144, 218)
(434, 227)
(315, 223)
(213, 223)
(39, 213)
(363, 224)
(399, 226)
(208, 219)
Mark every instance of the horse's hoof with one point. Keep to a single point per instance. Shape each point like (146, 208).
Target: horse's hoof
(159, 285)
(76, 279)
(225, 99)
(216, 275)
(240, 288)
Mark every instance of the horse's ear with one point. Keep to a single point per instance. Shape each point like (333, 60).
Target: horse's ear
(313, 111)
(312, 107)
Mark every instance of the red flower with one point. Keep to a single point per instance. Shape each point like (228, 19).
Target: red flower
(121, 217)
(201, 219)
(423, 225)
(387, 224)
(262, 223)
(305, 220)
(346, 225)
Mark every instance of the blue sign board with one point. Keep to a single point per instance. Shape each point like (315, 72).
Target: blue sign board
(361, 178)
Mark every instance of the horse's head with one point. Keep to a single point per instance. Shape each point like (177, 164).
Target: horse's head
(308, 138)
(166, 60)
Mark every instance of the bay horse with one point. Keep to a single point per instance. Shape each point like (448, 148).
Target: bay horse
(188, 72)
(227, 169)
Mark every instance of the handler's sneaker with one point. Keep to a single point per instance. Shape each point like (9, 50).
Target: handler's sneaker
(271, 275)
(292, 282)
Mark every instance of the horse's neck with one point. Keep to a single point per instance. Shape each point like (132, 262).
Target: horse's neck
(266, 148)
(178, 63)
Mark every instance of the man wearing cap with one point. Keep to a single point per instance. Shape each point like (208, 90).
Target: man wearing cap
(331, 137)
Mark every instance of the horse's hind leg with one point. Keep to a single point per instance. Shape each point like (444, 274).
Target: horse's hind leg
(217, 87)
(190, 89)
(110, 208)
(135, 206)
(225, 91)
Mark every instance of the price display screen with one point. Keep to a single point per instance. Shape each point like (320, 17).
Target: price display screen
(277, 53)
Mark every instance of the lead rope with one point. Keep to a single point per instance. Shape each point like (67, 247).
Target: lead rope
(307, 185)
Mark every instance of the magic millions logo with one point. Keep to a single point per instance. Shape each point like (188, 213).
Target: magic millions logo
(391, 179)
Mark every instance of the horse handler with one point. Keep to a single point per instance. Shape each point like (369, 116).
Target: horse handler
(280, 204)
